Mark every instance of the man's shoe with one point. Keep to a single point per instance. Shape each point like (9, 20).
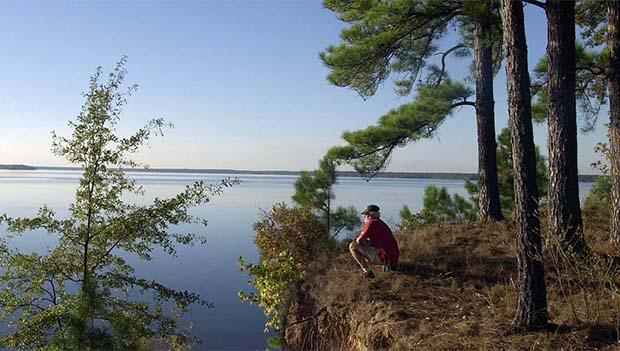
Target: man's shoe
(368, 274)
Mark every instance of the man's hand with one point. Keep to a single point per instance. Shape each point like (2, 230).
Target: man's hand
(357, 240)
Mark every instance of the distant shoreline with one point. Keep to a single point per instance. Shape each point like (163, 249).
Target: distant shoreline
(410, 175)
(18, 167)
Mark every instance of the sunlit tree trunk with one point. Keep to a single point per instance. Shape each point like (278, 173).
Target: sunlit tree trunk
(489, 208)
(564, 208)
(532, 295)
(613, 32)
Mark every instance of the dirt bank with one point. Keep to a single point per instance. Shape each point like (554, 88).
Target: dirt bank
(454, 291)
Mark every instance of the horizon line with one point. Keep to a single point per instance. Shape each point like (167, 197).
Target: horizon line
(390, 174)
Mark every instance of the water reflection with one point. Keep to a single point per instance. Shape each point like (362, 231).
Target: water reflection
(211, 270)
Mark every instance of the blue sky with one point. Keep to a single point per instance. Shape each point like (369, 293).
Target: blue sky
(241, 81)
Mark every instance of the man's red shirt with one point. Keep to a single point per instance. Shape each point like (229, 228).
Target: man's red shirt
(381, 237)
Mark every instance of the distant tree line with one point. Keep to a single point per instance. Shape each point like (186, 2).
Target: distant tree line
(413, 175)
(18, 167)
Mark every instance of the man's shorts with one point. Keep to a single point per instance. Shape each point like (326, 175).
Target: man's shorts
(375, 256)
(370, 252)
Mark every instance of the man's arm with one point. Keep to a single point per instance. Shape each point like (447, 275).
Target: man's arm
(364, 234)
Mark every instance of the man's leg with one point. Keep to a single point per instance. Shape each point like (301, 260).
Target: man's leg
(359, 256)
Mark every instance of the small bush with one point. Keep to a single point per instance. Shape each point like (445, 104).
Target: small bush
(288, 241)
(439, 207)
(599, 198)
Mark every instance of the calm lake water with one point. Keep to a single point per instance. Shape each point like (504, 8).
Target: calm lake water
(212, 270)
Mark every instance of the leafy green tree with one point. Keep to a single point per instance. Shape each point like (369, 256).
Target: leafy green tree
(289, 239)
(401, 37)
(506, 175)
(314, 191)
(80, 294)
(482, 19)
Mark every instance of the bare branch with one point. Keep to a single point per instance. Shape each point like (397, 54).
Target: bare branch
(595, 70)
(463, 103)
(540, 4)
(443, 60)
(49, 293)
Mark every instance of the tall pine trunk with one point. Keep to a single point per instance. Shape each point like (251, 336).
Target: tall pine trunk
(564, 209)
(532, 296)
(489, 208)
(613, 32)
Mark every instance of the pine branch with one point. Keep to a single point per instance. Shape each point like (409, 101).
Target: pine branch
(463, 103)
(443, 60)
(537, 3)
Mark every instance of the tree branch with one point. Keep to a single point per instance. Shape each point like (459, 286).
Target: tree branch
(540, 4)
(49, 293)
(108, 251)
(443, 60)
(305, 319)
(51, 281)
(43, 299)
(463, 103)
(598, 72)
(393, 143)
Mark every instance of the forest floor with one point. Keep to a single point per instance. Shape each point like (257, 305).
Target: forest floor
(455, 291)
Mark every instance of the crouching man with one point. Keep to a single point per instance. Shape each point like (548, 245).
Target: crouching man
(378, 236)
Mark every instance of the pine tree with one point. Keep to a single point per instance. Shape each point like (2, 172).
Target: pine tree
(400, 36)
(369, 150)
(506, 175)
(485, 116)
(613, 44)
(532, 297)
(592, 87)
(315, 191)
(564, 207)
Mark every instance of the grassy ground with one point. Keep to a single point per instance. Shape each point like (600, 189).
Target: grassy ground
(455, 291)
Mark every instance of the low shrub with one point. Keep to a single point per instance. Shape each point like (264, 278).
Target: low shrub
(288, 241)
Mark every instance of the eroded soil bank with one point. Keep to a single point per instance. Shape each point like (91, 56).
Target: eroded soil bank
(455, 291)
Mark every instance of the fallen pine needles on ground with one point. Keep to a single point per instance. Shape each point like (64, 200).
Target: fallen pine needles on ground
(455, 291)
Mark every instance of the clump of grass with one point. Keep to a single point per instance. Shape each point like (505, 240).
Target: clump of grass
(455, 291)
(586, 291)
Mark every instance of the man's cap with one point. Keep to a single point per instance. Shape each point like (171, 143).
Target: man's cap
(371, 208)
